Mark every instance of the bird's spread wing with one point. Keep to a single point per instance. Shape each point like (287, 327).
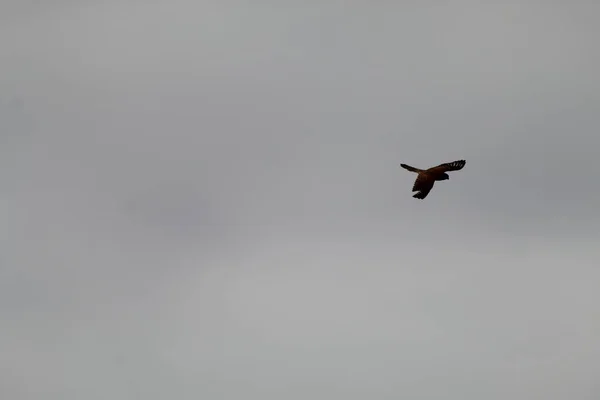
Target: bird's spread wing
(423, 185)
(451, 166)
(411, 169)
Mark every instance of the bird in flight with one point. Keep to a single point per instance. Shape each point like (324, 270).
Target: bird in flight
(427, 177)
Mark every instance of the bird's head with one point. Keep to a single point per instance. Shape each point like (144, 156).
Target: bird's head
(444, 177)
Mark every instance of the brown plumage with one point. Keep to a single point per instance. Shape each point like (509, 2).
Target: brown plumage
(427, 177)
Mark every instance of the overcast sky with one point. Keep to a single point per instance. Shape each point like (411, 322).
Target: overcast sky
(203, 200)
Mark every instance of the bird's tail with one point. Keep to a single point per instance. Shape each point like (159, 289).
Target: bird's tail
(411, 169)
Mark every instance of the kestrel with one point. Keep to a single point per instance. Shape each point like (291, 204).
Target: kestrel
(427, 177)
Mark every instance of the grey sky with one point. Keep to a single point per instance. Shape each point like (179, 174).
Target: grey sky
(203, 200)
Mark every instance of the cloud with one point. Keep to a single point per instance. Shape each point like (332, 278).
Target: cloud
(206, 201)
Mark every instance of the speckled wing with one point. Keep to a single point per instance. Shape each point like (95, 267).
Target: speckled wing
(451, 166)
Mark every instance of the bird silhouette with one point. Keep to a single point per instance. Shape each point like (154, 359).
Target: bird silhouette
(427, 177)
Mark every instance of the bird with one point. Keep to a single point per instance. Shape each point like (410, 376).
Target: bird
(427, 177)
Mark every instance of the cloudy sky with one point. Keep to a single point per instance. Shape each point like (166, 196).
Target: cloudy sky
(203, 200)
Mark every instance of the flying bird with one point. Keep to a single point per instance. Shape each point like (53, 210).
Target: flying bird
(427, 177)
